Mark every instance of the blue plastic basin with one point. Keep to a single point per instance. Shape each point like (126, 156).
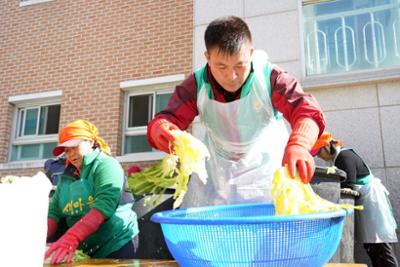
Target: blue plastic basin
(250, 235)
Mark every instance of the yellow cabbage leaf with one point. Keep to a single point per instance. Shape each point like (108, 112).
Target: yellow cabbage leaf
(291, 196)
(189, 155)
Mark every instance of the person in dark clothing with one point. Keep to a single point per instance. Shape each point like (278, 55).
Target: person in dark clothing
(375, 226)
(54, 168)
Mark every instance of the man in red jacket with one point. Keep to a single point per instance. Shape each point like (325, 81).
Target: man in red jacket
(240, 98)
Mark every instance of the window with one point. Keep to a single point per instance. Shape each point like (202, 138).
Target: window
(349, 35)
(141, 109)
(35, 130)
(143, 99)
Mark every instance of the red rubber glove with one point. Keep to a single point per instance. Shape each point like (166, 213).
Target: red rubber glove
(134, 169)
(52, 226)
(160, 133)
(297, 152)
(68, 243)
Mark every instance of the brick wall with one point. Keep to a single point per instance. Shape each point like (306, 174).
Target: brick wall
(86, 48)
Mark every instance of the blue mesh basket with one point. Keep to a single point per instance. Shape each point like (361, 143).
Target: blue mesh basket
(250, 235)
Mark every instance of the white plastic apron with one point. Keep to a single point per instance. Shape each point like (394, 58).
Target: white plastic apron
(246, 141)
(374, 224)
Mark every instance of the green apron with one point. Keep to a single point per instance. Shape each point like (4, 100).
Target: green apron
(75, 199)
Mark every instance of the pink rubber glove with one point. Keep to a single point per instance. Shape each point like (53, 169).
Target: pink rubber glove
(68, 243)
(52, 226)
(160, 133)
(297, 152)
(134, 169)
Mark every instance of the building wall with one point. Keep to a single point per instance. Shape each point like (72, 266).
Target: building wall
(86, 49)
(361, 108)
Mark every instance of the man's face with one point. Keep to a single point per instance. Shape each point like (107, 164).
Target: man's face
(230, 71)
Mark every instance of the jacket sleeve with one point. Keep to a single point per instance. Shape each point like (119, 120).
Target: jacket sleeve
(107, 187)
(289, 98)
(182, 107)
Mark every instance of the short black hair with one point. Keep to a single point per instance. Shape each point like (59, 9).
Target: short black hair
(228, 34)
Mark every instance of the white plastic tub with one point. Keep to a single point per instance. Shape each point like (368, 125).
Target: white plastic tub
(23, 221)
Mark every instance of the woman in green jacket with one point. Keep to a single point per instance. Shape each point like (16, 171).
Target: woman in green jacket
(90, 197)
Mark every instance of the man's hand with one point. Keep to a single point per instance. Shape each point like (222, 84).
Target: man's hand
(160, 133)
(297, 157)
(297, 152)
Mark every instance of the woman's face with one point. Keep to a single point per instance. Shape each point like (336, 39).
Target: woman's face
(324, 153)
(75, 154)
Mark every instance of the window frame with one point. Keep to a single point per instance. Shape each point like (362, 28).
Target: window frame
(157, 85)
(340, 78)
(23, 3)
(28, 101)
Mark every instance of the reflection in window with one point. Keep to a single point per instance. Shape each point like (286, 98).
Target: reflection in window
(141, 109)
(347, 35)
(38, 120)
(36, 132)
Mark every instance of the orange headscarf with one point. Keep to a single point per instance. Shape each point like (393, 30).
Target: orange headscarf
(79, 130)
(324, 140)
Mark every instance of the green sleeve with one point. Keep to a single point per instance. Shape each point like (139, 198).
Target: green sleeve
(108, 182)
(54, 211)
